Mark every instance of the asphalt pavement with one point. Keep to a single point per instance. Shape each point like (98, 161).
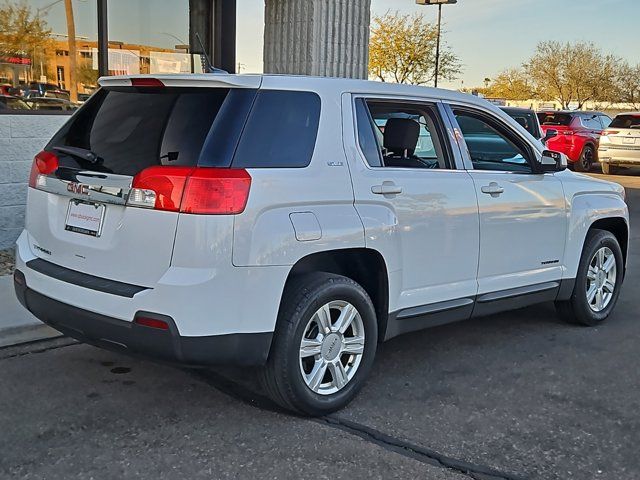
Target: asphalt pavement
(512, 396)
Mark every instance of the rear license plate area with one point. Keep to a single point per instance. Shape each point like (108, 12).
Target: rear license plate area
(85, 218)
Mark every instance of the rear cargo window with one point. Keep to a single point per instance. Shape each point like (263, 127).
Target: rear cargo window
(280, 132)
(132, 129)
(626, 121)
(557, 119)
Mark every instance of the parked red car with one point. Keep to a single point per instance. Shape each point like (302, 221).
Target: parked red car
(578, 135)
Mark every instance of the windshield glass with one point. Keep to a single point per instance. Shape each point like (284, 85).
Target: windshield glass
(626, 121)
(554, 118)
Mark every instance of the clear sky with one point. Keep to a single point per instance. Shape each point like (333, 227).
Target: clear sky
(490, 35)
(487, 35)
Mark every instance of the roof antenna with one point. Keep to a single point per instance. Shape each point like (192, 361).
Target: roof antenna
(207, 67)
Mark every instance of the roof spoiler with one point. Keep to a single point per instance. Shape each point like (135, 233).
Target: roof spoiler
(218, 79)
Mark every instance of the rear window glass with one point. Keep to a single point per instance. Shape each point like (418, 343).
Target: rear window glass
(552, 118)
(131, 129)
(525, 118)
(280, 132)
(626, 121)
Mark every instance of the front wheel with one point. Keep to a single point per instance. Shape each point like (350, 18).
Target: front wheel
(587, 157)
(598, 281)
(324, 345)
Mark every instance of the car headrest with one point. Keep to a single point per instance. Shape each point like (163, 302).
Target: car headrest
(401, 134)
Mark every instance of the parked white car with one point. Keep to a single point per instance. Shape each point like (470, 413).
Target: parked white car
(620, 143)
(291, 223)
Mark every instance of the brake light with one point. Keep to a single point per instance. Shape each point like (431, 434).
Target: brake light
(610, 132)
(146, 82)
(204, 190)
(44, 163)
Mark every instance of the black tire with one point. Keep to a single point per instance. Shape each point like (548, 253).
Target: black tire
(281, 377)
(608, 169)
(577, 309)
(586, 160)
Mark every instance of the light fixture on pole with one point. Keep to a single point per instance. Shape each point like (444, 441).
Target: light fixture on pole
(439, 3)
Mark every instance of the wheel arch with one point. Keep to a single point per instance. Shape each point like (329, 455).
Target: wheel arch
(618, 227)
(365, 266)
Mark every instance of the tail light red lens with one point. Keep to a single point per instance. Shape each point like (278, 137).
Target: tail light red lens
(43, 163)
(610, 132)
(216, 191)
(212, 191)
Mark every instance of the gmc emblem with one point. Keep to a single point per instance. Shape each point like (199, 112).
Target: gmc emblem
(78, 188)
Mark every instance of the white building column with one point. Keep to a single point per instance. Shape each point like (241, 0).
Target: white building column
(317, 37)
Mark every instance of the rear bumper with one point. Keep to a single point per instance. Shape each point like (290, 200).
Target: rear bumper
(619, 156)
(128, 337)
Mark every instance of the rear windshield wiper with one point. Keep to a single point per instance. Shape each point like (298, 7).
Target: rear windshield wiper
(80, 153)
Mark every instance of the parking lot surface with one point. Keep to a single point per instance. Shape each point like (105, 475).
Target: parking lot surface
(517, 395)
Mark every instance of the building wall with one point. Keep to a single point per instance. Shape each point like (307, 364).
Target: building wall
(21, 138)
(328, 38)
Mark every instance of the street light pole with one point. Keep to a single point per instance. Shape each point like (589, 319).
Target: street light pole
(439, 3)
(435, 82)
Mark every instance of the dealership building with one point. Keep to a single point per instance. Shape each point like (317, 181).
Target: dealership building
(75, 42)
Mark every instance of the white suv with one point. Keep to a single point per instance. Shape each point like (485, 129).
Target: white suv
(293, 223)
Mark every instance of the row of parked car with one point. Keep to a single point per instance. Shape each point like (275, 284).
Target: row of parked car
(586, 138)
(37, 96)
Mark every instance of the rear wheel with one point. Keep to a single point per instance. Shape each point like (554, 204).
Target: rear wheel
(598, 281)
(324, 345)
(608, 169)
(587, 157)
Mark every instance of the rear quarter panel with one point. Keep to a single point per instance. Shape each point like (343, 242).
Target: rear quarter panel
(264, 233)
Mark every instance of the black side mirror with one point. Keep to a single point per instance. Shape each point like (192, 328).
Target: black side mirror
(553, 161)
(551, 133)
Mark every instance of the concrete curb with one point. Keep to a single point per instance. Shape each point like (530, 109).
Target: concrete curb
(25, 334)
(17, 325)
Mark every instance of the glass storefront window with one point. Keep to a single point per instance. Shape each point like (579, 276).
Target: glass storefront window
(47, 53)
(49, 49)
(148, 36)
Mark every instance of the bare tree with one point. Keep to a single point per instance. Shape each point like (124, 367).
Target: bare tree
(402, 50)
(627, 84)
(511, 84)
(568, 72)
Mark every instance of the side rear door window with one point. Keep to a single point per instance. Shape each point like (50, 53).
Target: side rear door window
(401, 135)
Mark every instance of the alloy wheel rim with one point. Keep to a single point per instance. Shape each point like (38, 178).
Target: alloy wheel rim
(331, 348)
(587, 158)
(601, 279)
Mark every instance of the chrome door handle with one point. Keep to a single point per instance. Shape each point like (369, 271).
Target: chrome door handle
(387, 188)
(492, 189)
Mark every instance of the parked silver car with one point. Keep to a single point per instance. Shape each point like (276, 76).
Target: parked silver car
(620, 143)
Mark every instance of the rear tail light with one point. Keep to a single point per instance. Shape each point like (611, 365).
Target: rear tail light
(44, 163)
(610, 132)
(212, 191)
